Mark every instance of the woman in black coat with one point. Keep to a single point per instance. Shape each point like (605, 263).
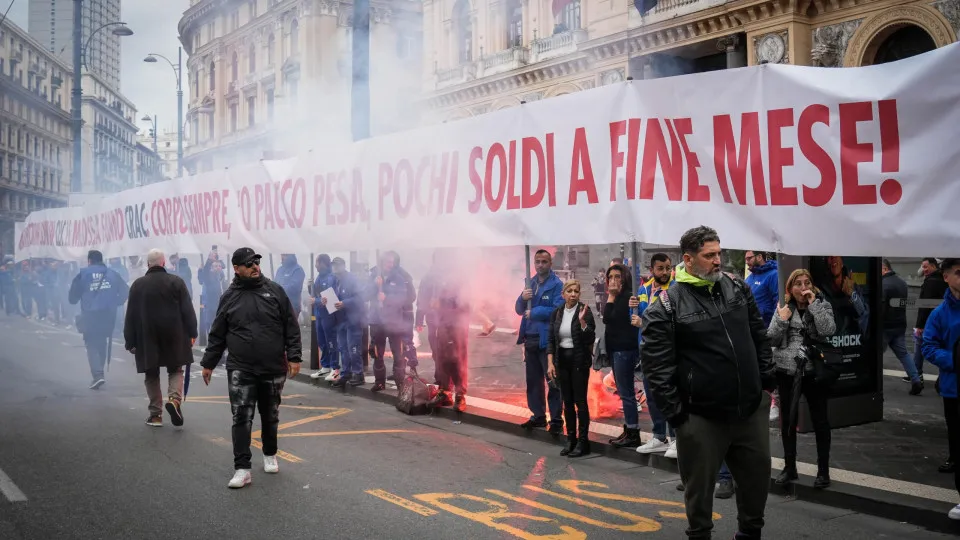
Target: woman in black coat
(160, 329)
(569, 360)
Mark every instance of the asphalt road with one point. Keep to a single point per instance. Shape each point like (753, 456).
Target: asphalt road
(81, 464)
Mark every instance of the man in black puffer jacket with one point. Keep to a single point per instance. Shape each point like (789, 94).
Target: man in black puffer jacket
(256, 324)
(708, 363)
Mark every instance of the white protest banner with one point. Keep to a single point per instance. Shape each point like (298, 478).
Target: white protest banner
(800, 160)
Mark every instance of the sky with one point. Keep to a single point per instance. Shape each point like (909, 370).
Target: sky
(151, 87)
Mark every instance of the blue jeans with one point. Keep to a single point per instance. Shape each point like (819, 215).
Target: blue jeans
(661, 429)
(348, 343)
(536, 365)
(327, 340)
(624, 364)
(897, 341)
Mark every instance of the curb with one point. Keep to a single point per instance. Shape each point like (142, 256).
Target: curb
(931, 515)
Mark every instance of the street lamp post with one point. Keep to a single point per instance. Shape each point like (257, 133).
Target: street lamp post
(177, 70)
(79, 60)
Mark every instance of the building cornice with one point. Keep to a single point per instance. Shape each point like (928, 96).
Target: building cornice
(18, 90)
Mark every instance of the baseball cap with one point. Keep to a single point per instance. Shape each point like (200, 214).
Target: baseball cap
(244, 255)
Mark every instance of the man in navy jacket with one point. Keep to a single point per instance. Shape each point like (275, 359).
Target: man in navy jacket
(545, 292)
(100, 291)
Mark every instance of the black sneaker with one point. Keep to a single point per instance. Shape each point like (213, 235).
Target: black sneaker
(176, 415)
(916, 388)
(531, 424)
(378, 387)
(357, 380)
(905, 379)
(726, 489)
(556, 429)
(341, 381)
(97, 384)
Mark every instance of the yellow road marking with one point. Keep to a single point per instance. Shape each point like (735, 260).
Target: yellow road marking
(404, 503)
(326, 433)
(286, 456)
(640, 524)
(497, 512)
(576, 486)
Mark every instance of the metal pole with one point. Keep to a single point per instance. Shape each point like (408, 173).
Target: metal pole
(528, 279)
(76, 185)
(154, 133)
(179, 112)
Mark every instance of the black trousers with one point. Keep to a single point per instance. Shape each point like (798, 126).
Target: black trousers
(451, 357)
(952, 416)
(250, 392)
(573, 389)
(817, 402)
(401, 347)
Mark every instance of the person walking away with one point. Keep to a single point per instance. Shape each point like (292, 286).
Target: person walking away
(453, 330)
(545, 295)
(392, 296)
(804, 316)
(100, 292)
(325, 324)
(427, 310)
(623, 348)
(183, 272)
(569, 361)
(661, 281)
(8, 291)
(160, 329)
(349, 320)
(941, 346)
(709, 365)
(256, 325)
(290, 276)
(213, 283)
(932, 288)
(894, 312)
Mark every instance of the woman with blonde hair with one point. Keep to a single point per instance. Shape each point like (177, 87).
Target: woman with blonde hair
(803, 318)
(569, 360)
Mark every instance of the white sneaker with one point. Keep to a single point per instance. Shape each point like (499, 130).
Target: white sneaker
(653, 446)
(954, 513)
(240, 478)
(324, 371)
(270, 465)
(334, 375)
(774, 413)
(316, 374)
(671, 452)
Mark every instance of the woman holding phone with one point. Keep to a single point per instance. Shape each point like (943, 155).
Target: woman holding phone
(569, 359)
(804, 314)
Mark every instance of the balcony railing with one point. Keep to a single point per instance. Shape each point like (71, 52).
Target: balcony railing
(504, 60)
(456, 75)
(556, 45)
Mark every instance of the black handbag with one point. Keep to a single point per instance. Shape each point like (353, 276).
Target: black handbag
(825, 359)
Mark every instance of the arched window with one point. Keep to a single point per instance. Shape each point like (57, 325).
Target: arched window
(514, 23)
(294, 37)
(213, 76)
(252, 59)
(234, 66)
(463, 31)
(271, 43)
(570, 17)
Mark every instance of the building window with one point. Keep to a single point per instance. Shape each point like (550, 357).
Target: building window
(252, 59)
(464, 31)
(251, 111)
(514, 23)
(569, 18)
(213, 76)
(271, 45)
(253, 10)
(294, 37)
(234, 66)
(233, 118)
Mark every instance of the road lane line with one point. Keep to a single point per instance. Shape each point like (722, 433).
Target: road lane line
(327, 433)
(10, 490)
(403, 503)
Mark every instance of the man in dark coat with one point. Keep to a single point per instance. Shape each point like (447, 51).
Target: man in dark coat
(160, 329)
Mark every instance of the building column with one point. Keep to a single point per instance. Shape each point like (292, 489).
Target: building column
(736, 55)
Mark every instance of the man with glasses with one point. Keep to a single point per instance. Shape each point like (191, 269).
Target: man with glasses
(256, 324)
